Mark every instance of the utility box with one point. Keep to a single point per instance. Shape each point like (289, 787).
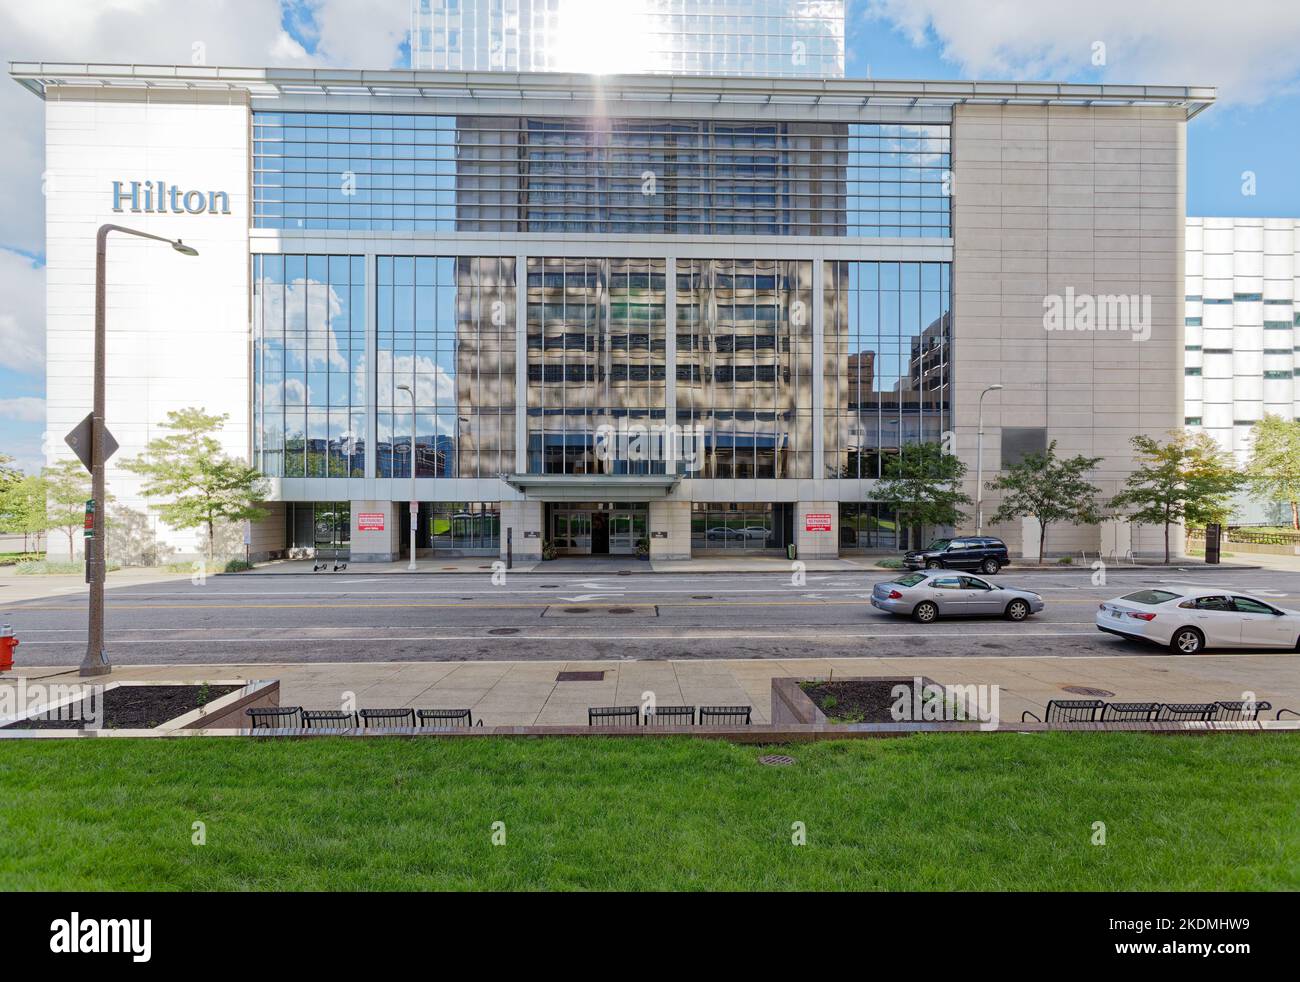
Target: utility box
(1213, 544)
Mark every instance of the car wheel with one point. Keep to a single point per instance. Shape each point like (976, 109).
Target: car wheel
(926, 613)
(1017, 610)
(1187, 641)
(990, 566)
(933, 564)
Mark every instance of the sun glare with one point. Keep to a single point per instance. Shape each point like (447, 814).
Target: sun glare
(603, 37)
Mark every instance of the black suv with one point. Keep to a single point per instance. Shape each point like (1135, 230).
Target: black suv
(973, 552)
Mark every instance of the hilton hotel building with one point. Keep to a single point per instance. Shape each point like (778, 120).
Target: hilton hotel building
(699, 312)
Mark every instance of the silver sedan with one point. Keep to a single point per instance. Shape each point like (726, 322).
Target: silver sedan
(927, 595)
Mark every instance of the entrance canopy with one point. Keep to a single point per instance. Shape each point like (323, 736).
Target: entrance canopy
(594, 487)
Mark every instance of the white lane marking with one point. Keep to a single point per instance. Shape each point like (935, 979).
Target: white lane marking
(588, 597)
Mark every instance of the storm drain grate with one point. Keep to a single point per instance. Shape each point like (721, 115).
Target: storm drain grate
(502, 631)
(1083, 690)
(776, 760)
(624, 572)
(580, 677)
(702, 596)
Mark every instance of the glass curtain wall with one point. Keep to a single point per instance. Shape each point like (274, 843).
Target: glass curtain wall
(427, 173)
(596, 357)
(309, 365)
(744, 365)
(888, 329)
(446, 329)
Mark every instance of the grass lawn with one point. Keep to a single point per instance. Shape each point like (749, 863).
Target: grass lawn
(999, 812)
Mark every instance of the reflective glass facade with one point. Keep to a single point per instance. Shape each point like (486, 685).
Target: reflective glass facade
(446, 329)
(745, 365)
(888, 332)
(424, 173)
(787, 38)
(309, 365)
(596, 357)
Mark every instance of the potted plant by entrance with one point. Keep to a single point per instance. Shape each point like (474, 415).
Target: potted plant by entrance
(548, 550)
(643, 549)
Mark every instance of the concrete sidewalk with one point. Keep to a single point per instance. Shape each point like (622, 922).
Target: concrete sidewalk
(613, 565)
(523, 693)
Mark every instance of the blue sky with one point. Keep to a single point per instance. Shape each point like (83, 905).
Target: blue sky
(1250, 49)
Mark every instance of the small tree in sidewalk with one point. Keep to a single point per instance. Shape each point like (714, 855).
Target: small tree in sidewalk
(1274, 468)
(1050, 490)
(204, 486)
(924, 486)
(23, 507)
(1186, 479)
(67, 489)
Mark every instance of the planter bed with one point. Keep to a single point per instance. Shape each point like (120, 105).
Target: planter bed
(129, 707)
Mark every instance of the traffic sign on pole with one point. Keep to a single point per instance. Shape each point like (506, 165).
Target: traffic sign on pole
(82, 438)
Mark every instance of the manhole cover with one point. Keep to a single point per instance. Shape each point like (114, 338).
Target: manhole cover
(451, 567)
(702, 596)
(621, 610)
(577, 610)
(776, 760)
(502, 631)
(549, 586)
(580, 677)
(1083, 690)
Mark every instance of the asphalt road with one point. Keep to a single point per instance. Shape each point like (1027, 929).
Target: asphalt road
(369, 617)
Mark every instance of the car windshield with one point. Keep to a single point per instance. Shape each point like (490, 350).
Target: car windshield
(911, 580)
(938, 544)
(1150, 598)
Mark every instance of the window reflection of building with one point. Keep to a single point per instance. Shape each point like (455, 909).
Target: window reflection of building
(309, 365)
(424, 173)
(744, 365)
(446, 327)
(887, 341)
(596, 357)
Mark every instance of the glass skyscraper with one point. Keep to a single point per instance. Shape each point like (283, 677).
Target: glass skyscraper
(780, 38)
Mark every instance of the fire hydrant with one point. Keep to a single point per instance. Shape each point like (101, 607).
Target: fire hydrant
(7, 645)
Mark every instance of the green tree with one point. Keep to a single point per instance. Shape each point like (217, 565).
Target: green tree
(22, 507)
(1274, 468)
(1187, 479)
(1050, 490)
(924, 485)
(204, 486)
(67, 489)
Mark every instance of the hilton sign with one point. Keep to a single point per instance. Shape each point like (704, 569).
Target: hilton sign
(163, 198)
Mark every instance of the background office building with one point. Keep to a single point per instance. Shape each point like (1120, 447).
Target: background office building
(1243, 333)
(606, 310)
(778, 38)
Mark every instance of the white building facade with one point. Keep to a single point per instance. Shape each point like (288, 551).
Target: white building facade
(1243, 326)
(776, 38)
(689, 315)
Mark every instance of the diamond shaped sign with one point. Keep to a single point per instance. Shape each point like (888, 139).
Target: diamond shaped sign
(83, 436)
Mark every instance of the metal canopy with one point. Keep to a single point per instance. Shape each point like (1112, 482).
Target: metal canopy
(594, 487)
(274, 82)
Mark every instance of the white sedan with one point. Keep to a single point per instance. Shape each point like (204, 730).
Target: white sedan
(1189, 621)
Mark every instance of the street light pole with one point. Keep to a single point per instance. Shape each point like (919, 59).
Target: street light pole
(415, 505)
(96, 660)
(979, 464)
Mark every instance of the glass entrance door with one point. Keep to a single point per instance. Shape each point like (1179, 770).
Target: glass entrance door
(571, 532)
(622, 541)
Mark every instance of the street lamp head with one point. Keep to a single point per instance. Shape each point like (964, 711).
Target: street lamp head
(994, 388)
(403, 388)
(183, 249)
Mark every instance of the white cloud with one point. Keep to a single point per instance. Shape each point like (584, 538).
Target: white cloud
(22, 313)
(24, 409)
(1248, 48)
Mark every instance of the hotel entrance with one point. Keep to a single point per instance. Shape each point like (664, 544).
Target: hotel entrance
(610, 529)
